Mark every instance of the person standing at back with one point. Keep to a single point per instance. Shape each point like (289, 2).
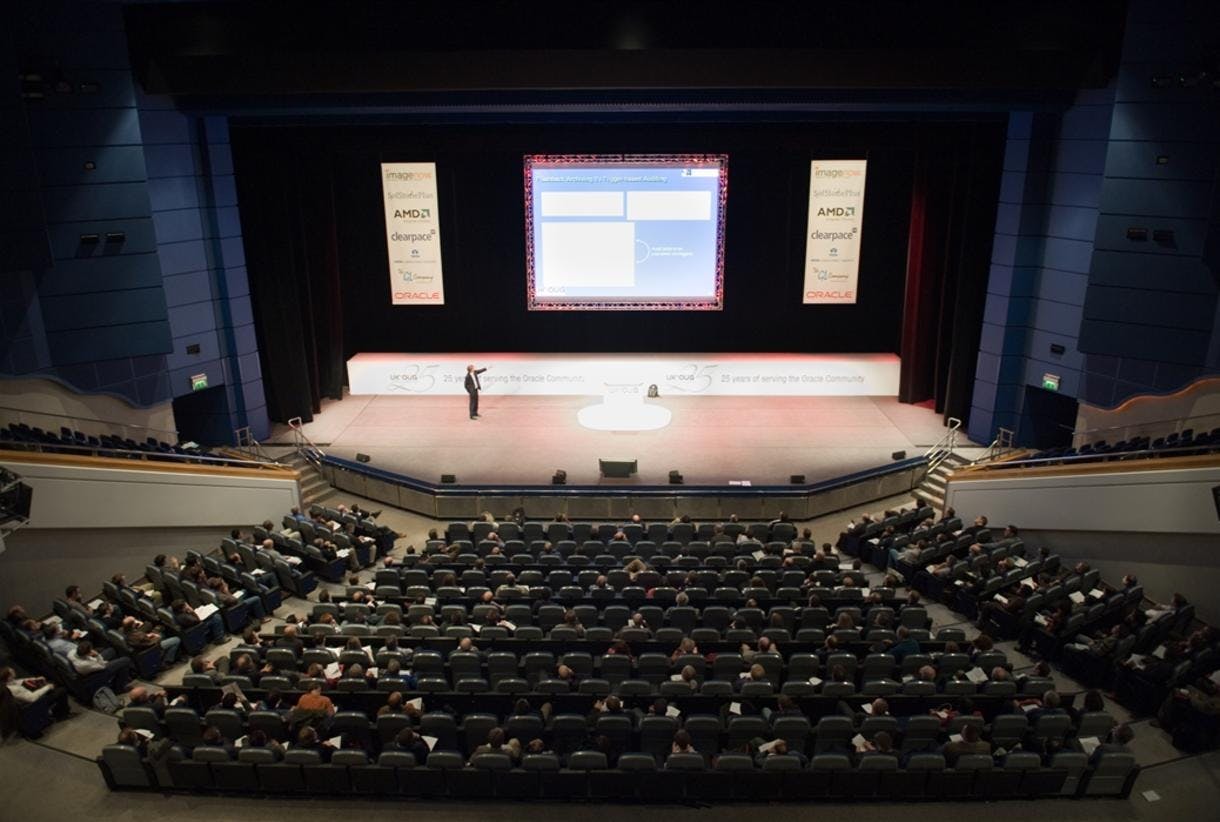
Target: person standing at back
(472, 388)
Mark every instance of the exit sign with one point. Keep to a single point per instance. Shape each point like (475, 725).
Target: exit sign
(199, 382)
(1050, 382)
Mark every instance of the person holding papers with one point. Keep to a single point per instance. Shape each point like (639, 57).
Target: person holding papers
(967, 742)
(308, 740)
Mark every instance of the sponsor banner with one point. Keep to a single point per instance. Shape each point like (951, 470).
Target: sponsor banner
(832, 244)
(675, 375)
(413, 233)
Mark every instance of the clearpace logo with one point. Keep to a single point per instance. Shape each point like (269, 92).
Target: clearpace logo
(691, 378)
(414, 379)
(413, 236)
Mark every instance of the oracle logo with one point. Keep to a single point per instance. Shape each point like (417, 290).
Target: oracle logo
(417, 295)
(830, 295)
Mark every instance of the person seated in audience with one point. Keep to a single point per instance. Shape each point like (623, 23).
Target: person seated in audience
(85, 660)
(55, 639)
(253, 644)
(779, 747)
(313, 705)
(756, 673)
(682, 743)
(784, 706)
(909, 555)
(408, 741)
(394, 704)
(619, 647)
(140, 696)
(213, 738)
(882, 744)
(291, 640)
(206, 667)
(497, 743)
(943, 569)
(253, 603)
(30, 690)
(232, 702)
(276, 702)
(762, 645)
(138, 638)
(970, 743)
(565, 674)
(1116, 741)
(905, 646)
(244, 665)
(1175, 606)
(1049, 705)
(685, 647)
(878, 707)
(184, 618)
(76, 601)
(309, 740)
(1098, 647)
(258, 739)
(140, 589)
(637, 623)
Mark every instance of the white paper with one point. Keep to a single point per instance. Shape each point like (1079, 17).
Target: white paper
(335, 741)
(430, 741)
(767, 746)
(1040, 620)
(1088, 744)
(475, 627)
(417, 703)
(1076, 597)
(205, 611)
(509, 625)
(955, 737)
(430, 601)
(1159, 653)
(144, 732)
(372, 586)
(1019, 562)
(814, 681)
(845, 566)
(859, 742)
(240, 742)
(292, 560)
(672, 711)
(867, 707)
(865, 592)
(976, 675)
(758, 554)
(1151, 796)
(343, 553)
(332, 671)
(735, 708)
(1003, 600)
(1033, 706)
(675, 677)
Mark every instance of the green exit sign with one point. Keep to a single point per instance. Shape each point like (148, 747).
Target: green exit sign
(1050, 382)
(199, 382)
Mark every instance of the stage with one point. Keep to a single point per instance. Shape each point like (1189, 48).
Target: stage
(709, 439)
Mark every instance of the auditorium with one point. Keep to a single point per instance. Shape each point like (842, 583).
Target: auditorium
(473, 408)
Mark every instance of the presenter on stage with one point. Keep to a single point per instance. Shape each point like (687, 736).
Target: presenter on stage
(472, 388)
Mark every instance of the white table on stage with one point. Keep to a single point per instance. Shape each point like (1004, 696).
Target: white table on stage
(623, 409)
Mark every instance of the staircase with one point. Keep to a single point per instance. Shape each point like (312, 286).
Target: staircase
(314, 487)
(933, 486)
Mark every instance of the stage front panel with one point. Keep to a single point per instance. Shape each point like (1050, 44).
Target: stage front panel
(739, 375)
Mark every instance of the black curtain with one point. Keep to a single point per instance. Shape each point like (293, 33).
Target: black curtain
(953, 207)
(288, 225)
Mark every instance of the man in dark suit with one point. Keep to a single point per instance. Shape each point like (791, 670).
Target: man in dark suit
(472, 388)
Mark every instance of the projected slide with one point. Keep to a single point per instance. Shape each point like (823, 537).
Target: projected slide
(625, 232)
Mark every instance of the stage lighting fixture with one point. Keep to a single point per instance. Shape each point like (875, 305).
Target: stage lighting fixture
(560, 477)
(90, 239)
(675, 478)
(898, 455)
(1137, 233)
(1162, 235)
(363, 457)
(1056, 348)
(448, 479)
(116, 236)
(797, 479)
(90, 165)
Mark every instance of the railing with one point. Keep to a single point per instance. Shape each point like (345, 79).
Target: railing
(1107, 456)
(147, 456)
(303, 444)
(86, 425)
(943, 448)
(249, 445)
(1149, 428)
(1001, 445)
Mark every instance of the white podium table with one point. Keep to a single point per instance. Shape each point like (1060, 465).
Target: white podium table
(623, 409)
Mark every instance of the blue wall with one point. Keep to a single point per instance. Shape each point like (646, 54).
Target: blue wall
(1150, 314)
(116, 317)
(1043, 246)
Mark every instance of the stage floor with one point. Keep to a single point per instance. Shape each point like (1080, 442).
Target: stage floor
(710, 440)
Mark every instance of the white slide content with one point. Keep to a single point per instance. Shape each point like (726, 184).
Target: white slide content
(589, 255)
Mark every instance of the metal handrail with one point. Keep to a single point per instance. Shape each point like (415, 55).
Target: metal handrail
(149, 456)
(1111, 456)
(302, 444)
(247, 442)
(943, 448)
(91, 421)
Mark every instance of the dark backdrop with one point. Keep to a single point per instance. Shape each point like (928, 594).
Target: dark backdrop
(329, 177)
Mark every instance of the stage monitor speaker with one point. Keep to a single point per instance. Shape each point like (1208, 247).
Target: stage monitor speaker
(797, 479)
(898, 455)
(675, 478)
(560, 477)
(448, 479)
(617, 468)
(362, 457)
